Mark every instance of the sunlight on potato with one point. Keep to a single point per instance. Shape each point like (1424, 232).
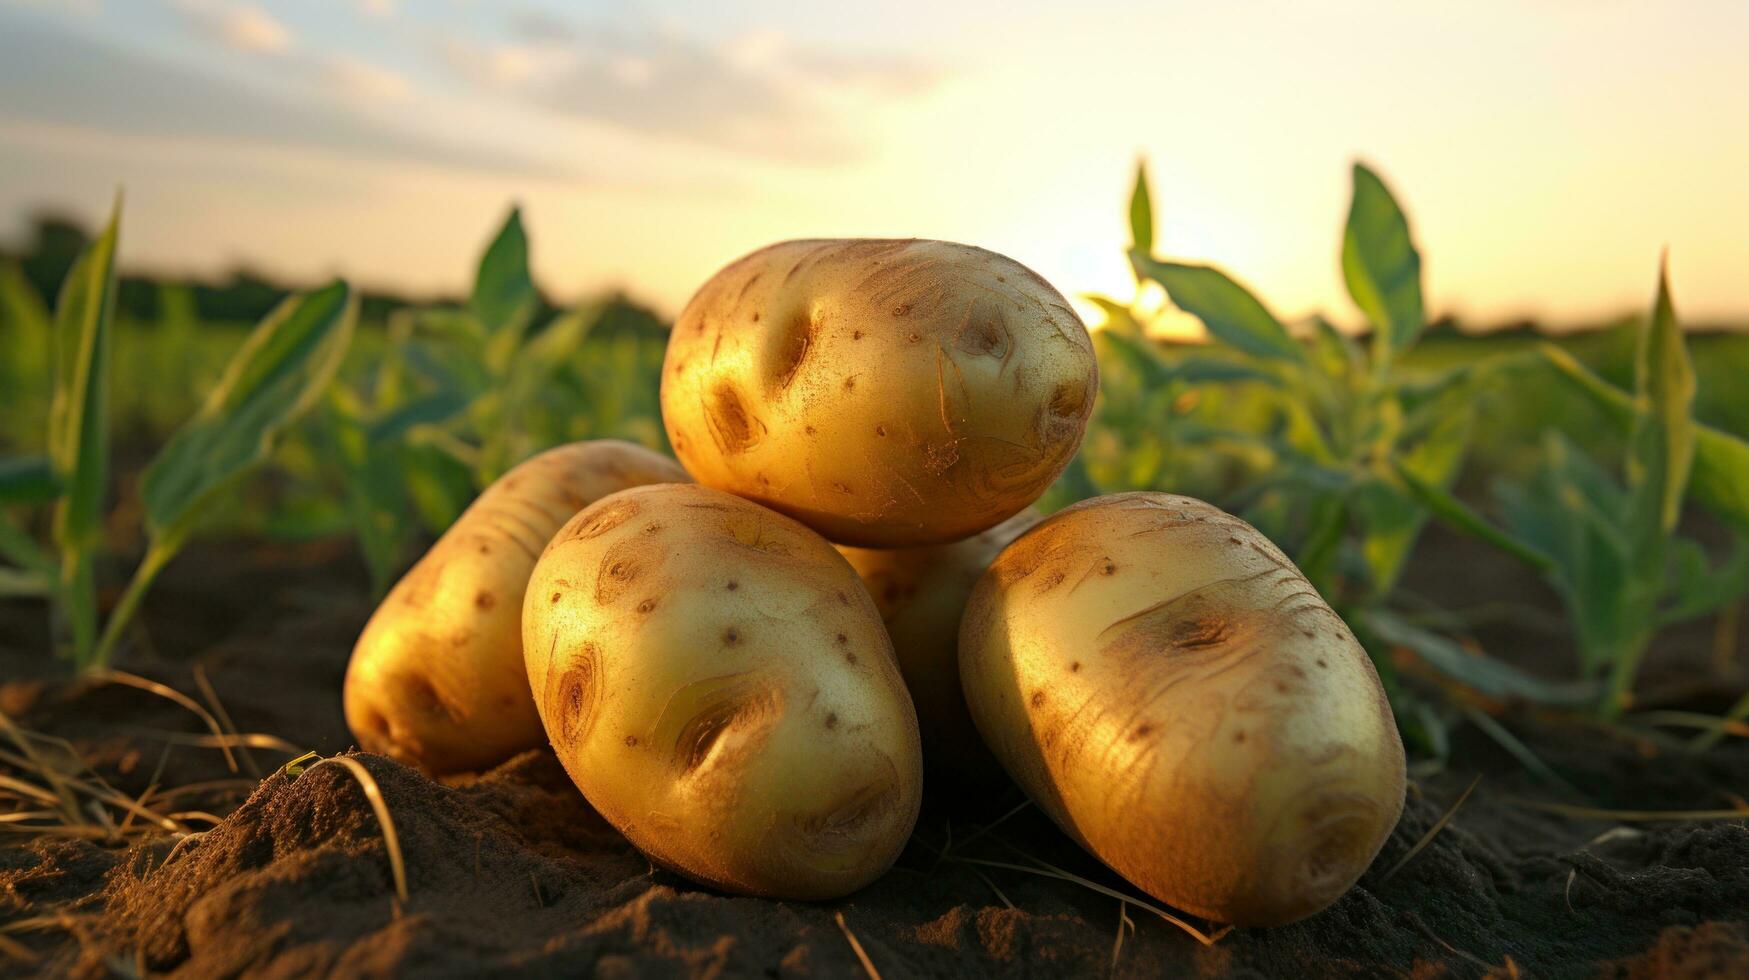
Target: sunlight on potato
(887, 393)
(717, 683)
(1170, 689)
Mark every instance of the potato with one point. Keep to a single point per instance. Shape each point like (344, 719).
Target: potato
(436, 680)
(885, 393)
(717, 683)
(1170, 689)
(921, 594)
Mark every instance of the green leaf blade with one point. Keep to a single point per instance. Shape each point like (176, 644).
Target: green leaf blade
(79, 416)
(1381, 265)
(504, 296)
(279, 372)
(1664, 440)
(1142, 212)
(1230, 312)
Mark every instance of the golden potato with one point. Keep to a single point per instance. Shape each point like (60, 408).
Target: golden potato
(717, 682)
(885, 393)
(921, 594)
(1170, 689)
(436, 679)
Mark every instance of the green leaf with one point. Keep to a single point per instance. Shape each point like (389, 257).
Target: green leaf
(1381, 266)
(277, 375)
(504, 297)
(27, 336)
(1698, 587)
(433, 409)
(1663, 440)
(1142, 213)
(79, 425)
(27, 480)
(19, 548)
(1447, 507)
(1719, 477)
(1230, 312)
(1484, 674)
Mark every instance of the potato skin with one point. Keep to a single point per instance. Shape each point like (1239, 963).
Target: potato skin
(1169, 688)
(717, 683)
(436, 679)
(921, 594)
(887, 393)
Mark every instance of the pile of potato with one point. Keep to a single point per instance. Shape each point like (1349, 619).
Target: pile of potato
(748, 674)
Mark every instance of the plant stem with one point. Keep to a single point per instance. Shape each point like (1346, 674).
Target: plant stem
(158, 554)
(1624, 665)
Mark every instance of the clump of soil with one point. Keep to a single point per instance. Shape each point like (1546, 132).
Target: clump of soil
(511, 872)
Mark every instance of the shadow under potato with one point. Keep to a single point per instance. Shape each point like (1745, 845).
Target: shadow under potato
(510, 872)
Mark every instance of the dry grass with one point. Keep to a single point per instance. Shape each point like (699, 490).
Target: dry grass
(1629, 816)
(373, 793)
(1433, 831)
(868, 966)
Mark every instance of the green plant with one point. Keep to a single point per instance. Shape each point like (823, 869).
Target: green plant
(1609, 547)
(458, 395)
(269, 383)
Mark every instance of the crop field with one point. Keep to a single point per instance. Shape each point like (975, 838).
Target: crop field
(1538, 542)
(570, 488)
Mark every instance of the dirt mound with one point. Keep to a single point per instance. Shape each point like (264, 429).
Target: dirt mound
(512, 873)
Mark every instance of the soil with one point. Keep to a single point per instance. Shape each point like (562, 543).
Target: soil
(509, 872)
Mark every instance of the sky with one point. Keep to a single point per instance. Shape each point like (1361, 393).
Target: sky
(1546, 150)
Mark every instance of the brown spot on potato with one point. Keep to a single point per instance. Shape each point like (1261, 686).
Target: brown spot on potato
(983, 334)
(842, 639)
(748, 708)
(1190, 634)
(484, 600)
(881, 430)
(843, 598)
(732, 585)
(850, 383)
(793, 347)
(731, 636)
(831, 720)
(423, 698)
(1142, 731)
(576, 697)
(903, 309)
(1075, 667)
(619, 570)
(556, 597)
(856, 335)
(732, 426)
(631, 741)
(1239, 737)
(1323, 663)
(647, 606)
(1038, 698)
(606, 519)
(850, 658)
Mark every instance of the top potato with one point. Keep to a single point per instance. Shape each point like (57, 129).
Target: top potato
(887, 393)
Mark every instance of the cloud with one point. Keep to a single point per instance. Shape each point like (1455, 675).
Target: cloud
(758, 92)
(50, 76)
(239, 26)
(361, 81)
